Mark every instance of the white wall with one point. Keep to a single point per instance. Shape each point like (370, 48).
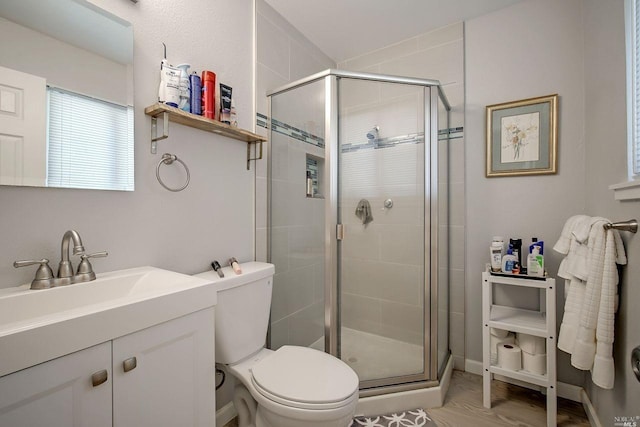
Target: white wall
(533, 48)
(213, 217)
(605, 125)
(438, 55)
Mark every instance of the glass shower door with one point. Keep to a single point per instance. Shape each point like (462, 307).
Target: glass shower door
(381, 205)
(296, 219)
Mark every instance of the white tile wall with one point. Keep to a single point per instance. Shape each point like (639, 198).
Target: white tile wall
(435, 55)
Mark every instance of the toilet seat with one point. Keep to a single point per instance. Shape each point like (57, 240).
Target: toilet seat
(305, 378)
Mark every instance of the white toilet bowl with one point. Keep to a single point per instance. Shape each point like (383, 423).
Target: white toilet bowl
(290, 387)
(294, 387)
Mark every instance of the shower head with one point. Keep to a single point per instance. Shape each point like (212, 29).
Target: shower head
(373, 133)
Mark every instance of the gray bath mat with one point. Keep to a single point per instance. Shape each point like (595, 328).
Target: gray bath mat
(412, 418)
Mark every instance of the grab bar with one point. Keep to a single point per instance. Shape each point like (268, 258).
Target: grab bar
(631, 225)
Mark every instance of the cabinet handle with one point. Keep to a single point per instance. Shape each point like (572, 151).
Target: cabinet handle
(129, 364)
(99, 377)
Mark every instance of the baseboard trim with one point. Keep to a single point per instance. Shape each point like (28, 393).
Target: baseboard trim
(225, 414)
(594, 420)
(566, 391)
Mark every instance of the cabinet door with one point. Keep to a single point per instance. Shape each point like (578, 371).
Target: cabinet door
(169, 378)
(59, 393)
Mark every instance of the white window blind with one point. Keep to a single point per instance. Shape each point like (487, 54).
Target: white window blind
(634, 151)
(90, 143)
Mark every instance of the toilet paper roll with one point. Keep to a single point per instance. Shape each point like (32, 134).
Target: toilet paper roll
(510, 357)
(534, 363)
(495, 342)
(531, 344)
(500, 333)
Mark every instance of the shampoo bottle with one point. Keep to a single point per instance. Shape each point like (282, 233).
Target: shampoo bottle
(195, 86)
(309, 184)
(509, 261)
(535, 263)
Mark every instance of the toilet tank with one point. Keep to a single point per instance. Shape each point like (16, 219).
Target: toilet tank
(242, 312)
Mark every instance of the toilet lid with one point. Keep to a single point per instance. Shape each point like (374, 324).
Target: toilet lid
(304, 375)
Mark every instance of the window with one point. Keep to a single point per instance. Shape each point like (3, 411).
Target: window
(630, 189)
(632, 16)
(90, 142)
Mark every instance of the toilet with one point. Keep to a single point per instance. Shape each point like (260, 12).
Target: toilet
(290, 387)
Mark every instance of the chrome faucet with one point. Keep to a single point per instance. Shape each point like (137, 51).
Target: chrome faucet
(65, 269)
(44, 275)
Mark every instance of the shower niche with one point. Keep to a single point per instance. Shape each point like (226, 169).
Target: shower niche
(376, 294)
(314, 170)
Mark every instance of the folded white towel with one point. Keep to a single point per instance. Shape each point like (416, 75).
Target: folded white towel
(587, 329)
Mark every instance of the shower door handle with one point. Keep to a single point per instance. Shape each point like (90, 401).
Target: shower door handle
(340, 232)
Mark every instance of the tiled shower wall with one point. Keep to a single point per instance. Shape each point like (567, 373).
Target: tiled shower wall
(285, 55)
(382, 261)
(437, 55)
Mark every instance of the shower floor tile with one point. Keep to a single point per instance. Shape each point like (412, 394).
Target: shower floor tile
(373, 356)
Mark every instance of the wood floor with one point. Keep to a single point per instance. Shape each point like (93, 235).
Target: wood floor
(511, 406)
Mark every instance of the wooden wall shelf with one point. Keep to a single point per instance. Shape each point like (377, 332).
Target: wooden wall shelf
(176, 115)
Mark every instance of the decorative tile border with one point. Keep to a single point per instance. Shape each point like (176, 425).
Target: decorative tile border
(303, 136)
(288, 130)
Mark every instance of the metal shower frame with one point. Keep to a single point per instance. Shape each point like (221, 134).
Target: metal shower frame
(432, 93)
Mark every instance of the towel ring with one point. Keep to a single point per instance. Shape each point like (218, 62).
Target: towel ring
(168, 159)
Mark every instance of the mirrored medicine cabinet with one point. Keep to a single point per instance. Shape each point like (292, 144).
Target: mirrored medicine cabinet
(66, 96)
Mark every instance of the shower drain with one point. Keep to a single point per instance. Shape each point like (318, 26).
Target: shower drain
(353, 359)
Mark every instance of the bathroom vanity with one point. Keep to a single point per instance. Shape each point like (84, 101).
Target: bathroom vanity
(132, 348)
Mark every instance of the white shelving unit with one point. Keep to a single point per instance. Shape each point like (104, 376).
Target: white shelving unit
(541, 323)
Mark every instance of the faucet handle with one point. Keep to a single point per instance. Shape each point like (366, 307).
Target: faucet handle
(85, 269)
(44, 274)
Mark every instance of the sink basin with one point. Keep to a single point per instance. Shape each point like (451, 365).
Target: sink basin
(39, 325)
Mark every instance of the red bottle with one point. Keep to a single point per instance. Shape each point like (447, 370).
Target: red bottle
(209, 94)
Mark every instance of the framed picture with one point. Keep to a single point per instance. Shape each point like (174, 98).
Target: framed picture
(522, 137)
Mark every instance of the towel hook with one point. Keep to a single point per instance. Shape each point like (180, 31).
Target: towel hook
(168, 159)
(631, 225)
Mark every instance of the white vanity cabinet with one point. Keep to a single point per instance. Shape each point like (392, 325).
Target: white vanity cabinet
(60, 393)
(165, 375)
(160, 376)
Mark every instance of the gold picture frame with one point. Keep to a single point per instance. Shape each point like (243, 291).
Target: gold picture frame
(522, 137)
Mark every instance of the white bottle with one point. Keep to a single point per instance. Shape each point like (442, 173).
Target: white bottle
(185, 97)
(169, 89)
(535, 263)
(509, 261)
(496, 250)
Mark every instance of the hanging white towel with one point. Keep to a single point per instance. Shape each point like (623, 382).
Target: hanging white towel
(587, 329)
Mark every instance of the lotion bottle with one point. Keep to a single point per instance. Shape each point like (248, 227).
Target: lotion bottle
(495, 250)
(509, 261)
(535, 263)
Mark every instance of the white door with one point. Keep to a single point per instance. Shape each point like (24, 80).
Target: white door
(60, 393)
(23, 128)
(165, 375)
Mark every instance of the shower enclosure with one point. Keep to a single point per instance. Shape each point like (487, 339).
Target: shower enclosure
(358, 229)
